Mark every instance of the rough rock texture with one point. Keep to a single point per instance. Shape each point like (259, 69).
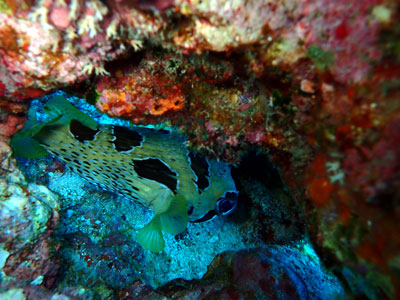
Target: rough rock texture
(218, 111)
(28, 215)
(50, 44)
(279, 273)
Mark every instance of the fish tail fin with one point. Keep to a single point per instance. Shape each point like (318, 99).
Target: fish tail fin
(23, 142)
(175, 219)
(59, 106)
(150, 236)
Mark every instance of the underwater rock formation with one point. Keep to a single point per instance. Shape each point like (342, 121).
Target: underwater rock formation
(313, 84)
(28, 216)
(51, 44)
(279, 272)
(230, 111)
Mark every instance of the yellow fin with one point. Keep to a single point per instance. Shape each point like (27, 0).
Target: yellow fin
(175, 219)
(150, 236)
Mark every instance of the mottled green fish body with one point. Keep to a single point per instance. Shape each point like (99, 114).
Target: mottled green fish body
(148, 166)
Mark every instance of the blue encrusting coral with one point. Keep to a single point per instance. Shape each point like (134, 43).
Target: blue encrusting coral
(97, 232)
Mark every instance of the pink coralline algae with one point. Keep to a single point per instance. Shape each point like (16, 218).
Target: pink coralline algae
(222, 26)
(348, 30)
(54, 44)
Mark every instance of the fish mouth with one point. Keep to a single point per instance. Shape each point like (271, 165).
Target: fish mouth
(225, 205)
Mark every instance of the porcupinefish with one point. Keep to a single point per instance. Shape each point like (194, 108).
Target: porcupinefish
(148, 166)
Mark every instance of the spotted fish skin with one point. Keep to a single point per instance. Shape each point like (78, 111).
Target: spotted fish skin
(144, 165)
(141, 164)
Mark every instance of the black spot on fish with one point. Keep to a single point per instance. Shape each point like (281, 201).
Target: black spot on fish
(75, 154)
(155, 169)
(129, 193)
(200, 167)
(81, 132)
(208, 216)
(126, 139)
(190, 210)
(131, 185)
(67, 159)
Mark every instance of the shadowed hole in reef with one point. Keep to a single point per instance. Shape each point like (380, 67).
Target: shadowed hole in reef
(265, 199)
(256, 165)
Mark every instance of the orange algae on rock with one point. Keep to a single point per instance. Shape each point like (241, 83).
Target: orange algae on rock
(161, 106)
(139, 92)
(320, 191)
(319, 186)
(230, 111)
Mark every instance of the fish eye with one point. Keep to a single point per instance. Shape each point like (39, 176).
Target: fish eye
(227, 203)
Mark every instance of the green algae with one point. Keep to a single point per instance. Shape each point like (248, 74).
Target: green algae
(4, 8)
(322, 59)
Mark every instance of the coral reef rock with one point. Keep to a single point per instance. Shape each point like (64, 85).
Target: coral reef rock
(28, 215)
(312, 85)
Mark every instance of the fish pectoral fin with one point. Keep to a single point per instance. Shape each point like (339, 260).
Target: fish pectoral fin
(150, 236)
(175, 219)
